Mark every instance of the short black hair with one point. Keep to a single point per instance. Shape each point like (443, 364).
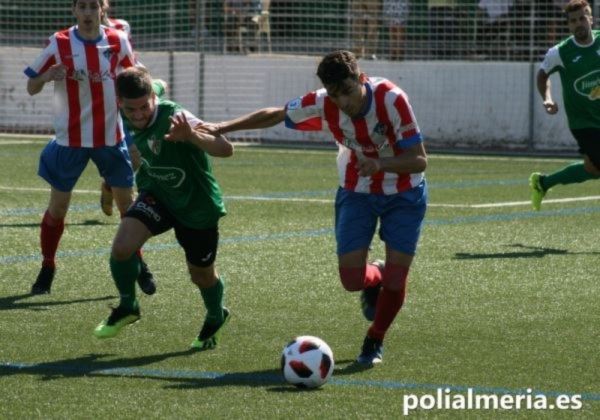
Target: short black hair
(336, 67)
(133, 83)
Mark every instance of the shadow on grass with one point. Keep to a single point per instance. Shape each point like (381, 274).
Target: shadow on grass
(527, 252)
(8, 303)
(93, 365)
(37, 225)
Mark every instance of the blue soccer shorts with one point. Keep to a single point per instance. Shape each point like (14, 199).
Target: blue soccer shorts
(61, 166)
(400, 215)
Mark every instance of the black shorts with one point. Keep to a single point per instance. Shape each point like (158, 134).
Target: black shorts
(588, 140)
(200, 245)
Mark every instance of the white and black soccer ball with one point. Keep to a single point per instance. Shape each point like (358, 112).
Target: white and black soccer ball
(307, 362)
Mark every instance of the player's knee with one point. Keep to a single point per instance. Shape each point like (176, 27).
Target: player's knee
(203, 278)
(353, 278)
(121, 250)
(395, 277)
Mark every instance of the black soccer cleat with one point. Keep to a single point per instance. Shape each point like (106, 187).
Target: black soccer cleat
(43, 283)
(371, 352)
(146, 279)
(369, 295)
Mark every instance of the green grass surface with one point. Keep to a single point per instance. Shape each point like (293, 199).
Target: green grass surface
(500, 299)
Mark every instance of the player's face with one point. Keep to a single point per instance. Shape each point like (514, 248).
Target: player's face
(138, 111)
(349, 96)
(580, 24)
(89, 15)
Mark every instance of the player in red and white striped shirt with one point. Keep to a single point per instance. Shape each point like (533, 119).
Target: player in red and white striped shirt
(82, 62)
(381, 160)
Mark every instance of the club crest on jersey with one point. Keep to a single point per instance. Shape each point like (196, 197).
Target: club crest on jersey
(380, 128)
(107, 53)
(154, 144)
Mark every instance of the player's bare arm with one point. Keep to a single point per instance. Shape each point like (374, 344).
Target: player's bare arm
(136, 157)
(413, 160)
(55, 72)
(263, 118)
(544, 88)
(182, 131)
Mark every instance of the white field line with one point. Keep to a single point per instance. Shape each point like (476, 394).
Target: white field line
(15, 139)
(329, 201)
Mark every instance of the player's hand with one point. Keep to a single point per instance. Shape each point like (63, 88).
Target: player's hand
(368, 167)
(181, 130)
(551, 107)
(55, 72)
(136, 157)
(208, 127)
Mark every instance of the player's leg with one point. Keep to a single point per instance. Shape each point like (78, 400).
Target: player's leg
(61, 167)
(106, 198)
(400, 226)
(589, 146)
(115, 166)
(355, 225)
(200, 246)
(146, 218)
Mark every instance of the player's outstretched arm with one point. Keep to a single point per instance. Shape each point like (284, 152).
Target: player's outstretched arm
(182, 131)
(263, 118)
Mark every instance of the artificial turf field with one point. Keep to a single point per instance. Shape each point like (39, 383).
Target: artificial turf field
(500, 298)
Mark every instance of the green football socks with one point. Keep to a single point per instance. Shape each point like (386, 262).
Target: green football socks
(213, 300)
(570, 174)
(124, 274)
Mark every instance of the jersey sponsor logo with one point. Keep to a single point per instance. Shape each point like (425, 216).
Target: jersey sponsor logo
(81, 75)
(356, 146)
(576, 59)
(147, 210)
(589, 85)
(167, 176)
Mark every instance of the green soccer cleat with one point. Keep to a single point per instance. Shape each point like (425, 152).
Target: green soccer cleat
(537, 192)
(209, 334)
(118, 318)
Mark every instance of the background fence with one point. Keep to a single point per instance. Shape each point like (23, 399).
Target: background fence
(457, 59)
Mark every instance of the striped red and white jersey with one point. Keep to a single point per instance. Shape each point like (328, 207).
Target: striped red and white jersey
(85, 102)
(121, 25)
(385, 128)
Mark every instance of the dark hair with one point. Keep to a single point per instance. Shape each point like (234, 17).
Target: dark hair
(575, 5)
(336, 67)
(103, 3)
(133, 83)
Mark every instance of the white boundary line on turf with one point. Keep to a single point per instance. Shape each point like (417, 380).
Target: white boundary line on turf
(328, 201)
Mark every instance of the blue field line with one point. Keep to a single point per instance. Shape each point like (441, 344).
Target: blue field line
(28, 211)
(264, 378)
(12, 259)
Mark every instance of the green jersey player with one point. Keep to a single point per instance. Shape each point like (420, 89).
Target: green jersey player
(577, 61)
(176, 190)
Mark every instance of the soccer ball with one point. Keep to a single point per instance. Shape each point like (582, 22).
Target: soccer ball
(307, 362)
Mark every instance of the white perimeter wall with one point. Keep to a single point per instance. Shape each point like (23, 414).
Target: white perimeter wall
(457, 104)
